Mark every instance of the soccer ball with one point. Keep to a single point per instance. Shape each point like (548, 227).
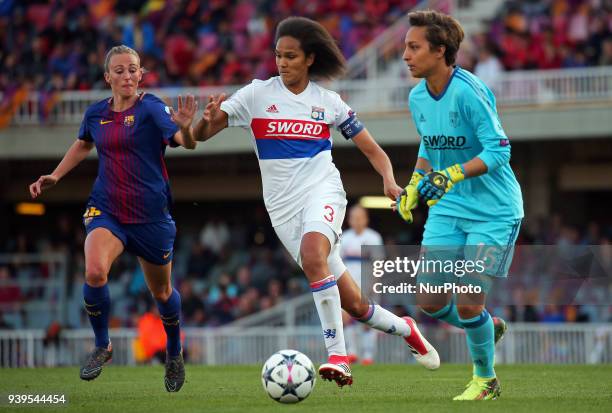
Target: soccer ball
(288, 376)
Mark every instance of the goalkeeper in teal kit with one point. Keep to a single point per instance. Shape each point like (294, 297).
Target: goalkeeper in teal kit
(463, 174)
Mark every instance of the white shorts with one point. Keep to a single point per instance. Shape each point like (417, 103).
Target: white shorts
(324, 213)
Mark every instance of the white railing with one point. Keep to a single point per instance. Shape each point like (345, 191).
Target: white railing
(524, 343)
(511, 89)
(382, 95)
(71, 105)
(298, 311)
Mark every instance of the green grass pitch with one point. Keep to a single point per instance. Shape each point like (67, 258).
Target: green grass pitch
(377, 388)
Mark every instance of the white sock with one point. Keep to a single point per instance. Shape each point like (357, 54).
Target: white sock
(327, 300)
(385, 321)
(350, 336)
(368, 343)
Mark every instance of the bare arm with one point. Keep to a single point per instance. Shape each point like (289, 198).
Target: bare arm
(75, 155)
(213, 120)
(379, 160)
(422, 164)
(185, 138)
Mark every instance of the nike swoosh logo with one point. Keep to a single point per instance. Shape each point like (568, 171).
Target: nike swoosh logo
(88, 372)
(166, 255)
(170, 386)
(104, 122)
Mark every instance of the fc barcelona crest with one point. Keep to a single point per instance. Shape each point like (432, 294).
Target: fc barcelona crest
(317, 113)
(454, 119)
(128, 120)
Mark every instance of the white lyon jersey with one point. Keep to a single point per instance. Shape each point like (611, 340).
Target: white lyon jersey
(292, 139)
(351, 249)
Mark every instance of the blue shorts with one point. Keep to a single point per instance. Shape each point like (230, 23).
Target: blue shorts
(491, 241)
(153, 241)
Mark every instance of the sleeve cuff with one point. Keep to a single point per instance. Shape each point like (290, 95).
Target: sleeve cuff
(493, 160)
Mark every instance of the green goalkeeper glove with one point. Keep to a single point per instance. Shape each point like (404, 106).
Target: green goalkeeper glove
(436, 184)
(409, 197)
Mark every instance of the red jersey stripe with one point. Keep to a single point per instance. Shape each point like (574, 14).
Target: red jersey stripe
(289, 129)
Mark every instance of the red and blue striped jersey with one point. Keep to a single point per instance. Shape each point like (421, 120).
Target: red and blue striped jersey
(132, 182)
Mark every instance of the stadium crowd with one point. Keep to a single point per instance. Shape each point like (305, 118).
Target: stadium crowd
(544, 35)
(225, 272)
(57, 45)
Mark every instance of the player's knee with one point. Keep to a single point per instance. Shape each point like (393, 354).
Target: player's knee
(161, 293)
(469, 311)
(96, 275)
(313, 262)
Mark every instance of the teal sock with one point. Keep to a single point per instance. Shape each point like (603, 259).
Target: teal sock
(480, 338)
(448, 313)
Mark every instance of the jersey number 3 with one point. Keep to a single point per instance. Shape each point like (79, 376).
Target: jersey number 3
(329, 215)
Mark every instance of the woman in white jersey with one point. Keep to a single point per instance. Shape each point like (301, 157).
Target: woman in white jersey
(290, 120)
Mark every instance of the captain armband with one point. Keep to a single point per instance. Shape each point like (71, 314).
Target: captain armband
(351, 127)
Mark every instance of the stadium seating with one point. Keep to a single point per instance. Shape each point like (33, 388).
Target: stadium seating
(52, 46)
(223, 279)
(49, 47)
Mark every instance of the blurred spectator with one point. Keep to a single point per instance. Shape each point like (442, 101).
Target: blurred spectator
(4, 325)
(201, 260)
(592, 235)
(297, 286)
(550, 35)
(247, 303)
(263, 270)
(488, 68)
(215, 235)
(275, 291)
(193, 310)
(223, 308)
(52, 335)
(243, 278)
(10, 293)
(606, 53)
(552, 314)
(151, 340)
(242, 281)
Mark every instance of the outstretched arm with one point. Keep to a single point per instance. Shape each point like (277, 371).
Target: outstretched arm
(213, 120)
(75, 154)
(379, 160)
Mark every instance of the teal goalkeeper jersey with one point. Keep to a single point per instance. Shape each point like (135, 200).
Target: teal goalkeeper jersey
(457, 125)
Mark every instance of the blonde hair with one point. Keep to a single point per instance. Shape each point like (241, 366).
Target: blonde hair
(119, 50)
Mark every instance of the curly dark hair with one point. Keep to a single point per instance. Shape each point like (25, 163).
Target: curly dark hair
(329, 63)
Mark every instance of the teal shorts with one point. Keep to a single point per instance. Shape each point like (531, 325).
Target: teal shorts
(489, 242)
